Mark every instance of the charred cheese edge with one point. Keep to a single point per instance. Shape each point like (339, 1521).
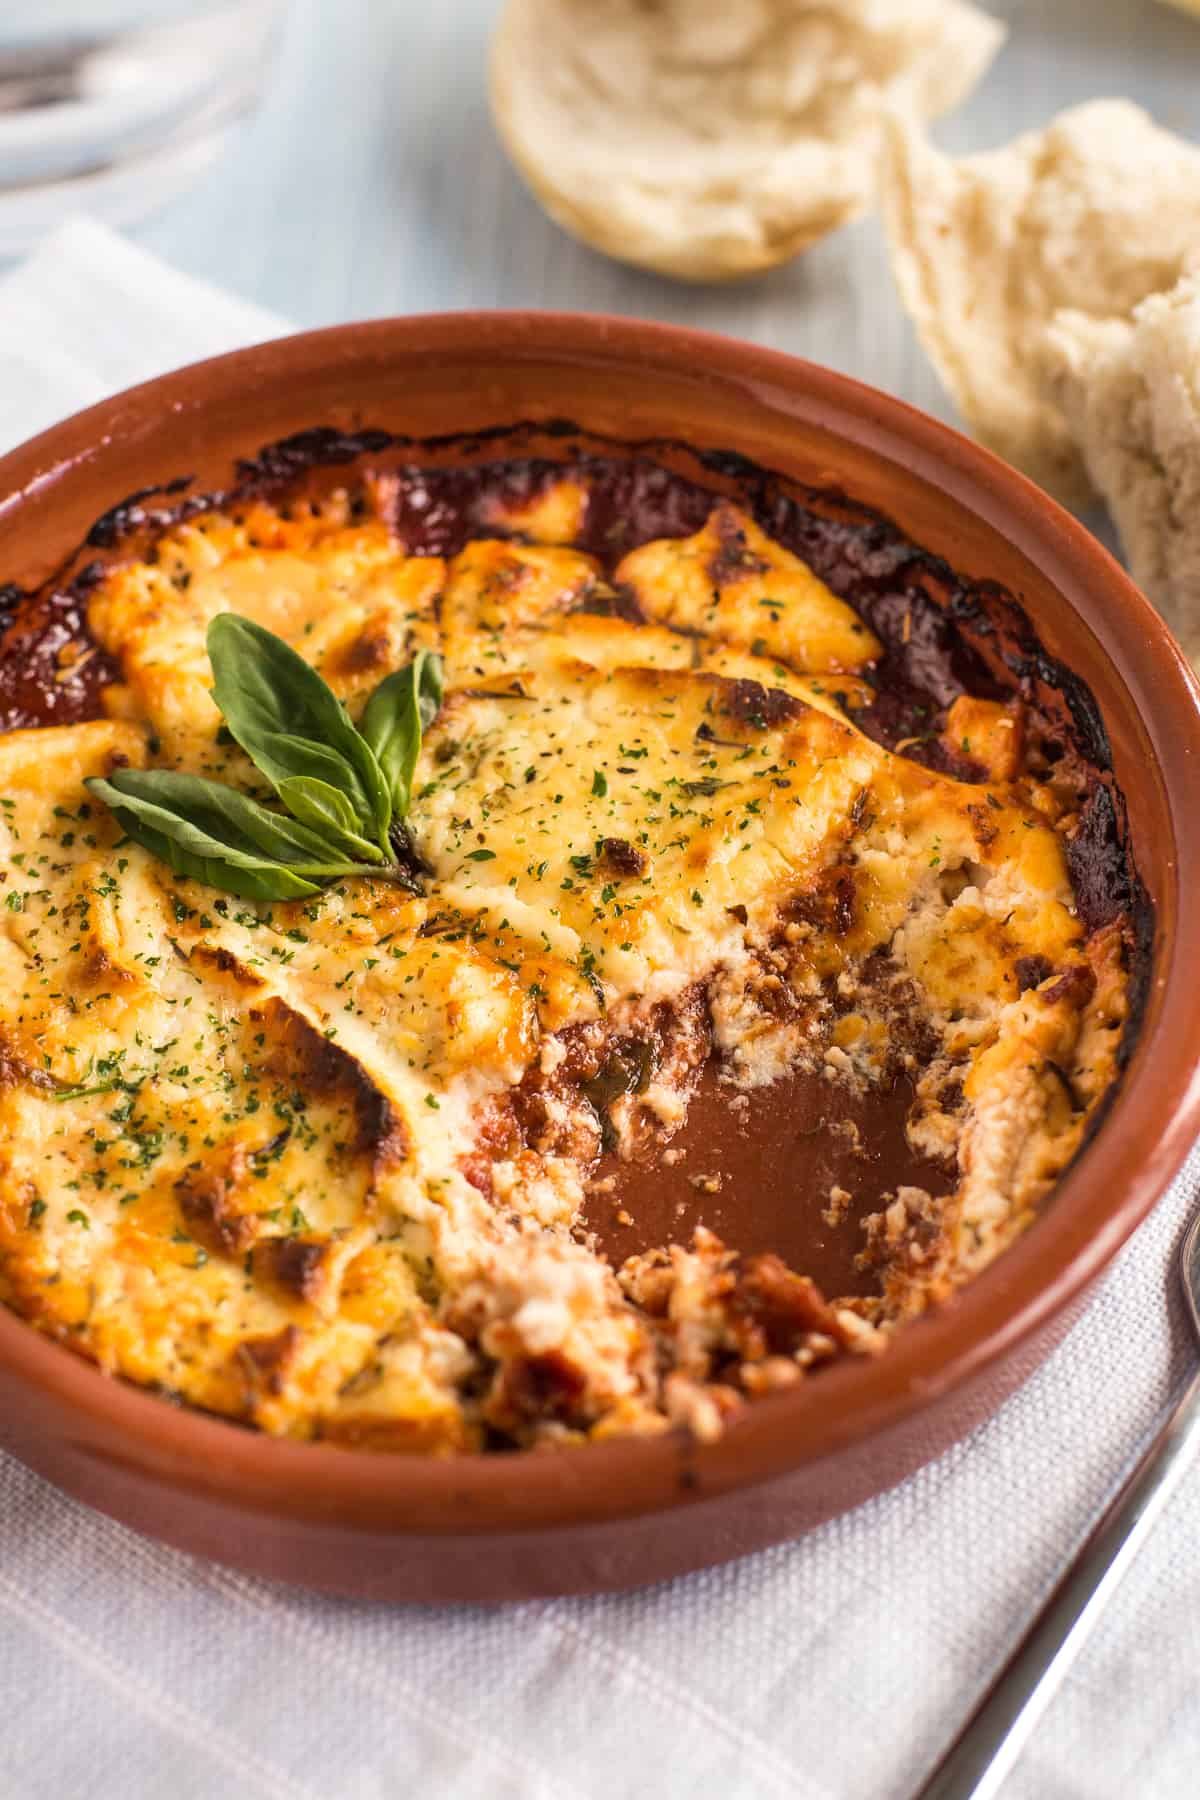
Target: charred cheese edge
(277, 1160)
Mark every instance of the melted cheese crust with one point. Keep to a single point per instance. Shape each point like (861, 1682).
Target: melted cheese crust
(316, 1165)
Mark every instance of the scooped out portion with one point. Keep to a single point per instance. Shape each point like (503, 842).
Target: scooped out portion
(329, 1166)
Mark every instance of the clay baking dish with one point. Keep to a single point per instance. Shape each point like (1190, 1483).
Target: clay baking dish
(612, 1515)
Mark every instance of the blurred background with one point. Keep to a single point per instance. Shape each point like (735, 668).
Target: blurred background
(337, 160)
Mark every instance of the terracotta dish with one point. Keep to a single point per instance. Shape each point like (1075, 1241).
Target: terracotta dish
(1036, 598)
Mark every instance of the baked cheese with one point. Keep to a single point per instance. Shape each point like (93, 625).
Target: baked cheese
(319, 1165)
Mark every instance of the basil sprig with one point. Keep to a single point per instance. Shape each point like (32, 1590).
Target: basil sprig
(397, 715)
(345, 793)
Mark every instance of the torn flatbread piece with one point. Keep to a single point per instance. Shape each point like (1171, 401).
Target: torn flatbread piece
(1130, 393)
(709, 143)
(1094, 213)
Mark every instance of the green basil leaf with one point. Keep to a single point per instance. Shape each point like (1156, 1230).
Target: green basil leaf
(262, 881)
(397, 715)
(227, 814)
(219, 858)
(299, 756)
(316, 803)
(286, 718)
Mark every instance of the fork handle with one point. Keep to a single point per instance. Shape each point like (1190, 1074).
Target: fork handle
(982, 1756)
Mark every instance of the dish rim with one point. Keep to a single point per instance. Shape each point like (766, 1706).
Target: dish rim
(1153, 1120)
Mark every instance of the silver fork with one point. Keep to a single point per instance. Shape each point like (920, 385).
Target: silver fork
(984, 1752)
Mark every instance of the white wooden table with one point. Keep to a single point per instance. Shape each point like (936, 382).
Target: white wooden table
(372, 183)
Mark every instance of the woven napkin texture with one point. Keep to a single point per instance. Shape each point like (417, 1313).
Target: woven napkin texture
(834, 1668)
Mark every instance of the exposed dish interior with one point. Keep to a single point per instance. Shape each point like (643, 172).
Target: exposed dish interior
(734, 790)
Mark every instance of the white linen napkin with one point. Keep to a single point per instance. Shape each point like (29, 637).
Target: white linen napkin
(834, 1668)
(89, 314)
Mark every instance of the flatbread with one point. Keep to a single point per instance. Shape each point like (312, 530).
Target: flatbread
(1129, 391)
(1093, 214)
(710, 142)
